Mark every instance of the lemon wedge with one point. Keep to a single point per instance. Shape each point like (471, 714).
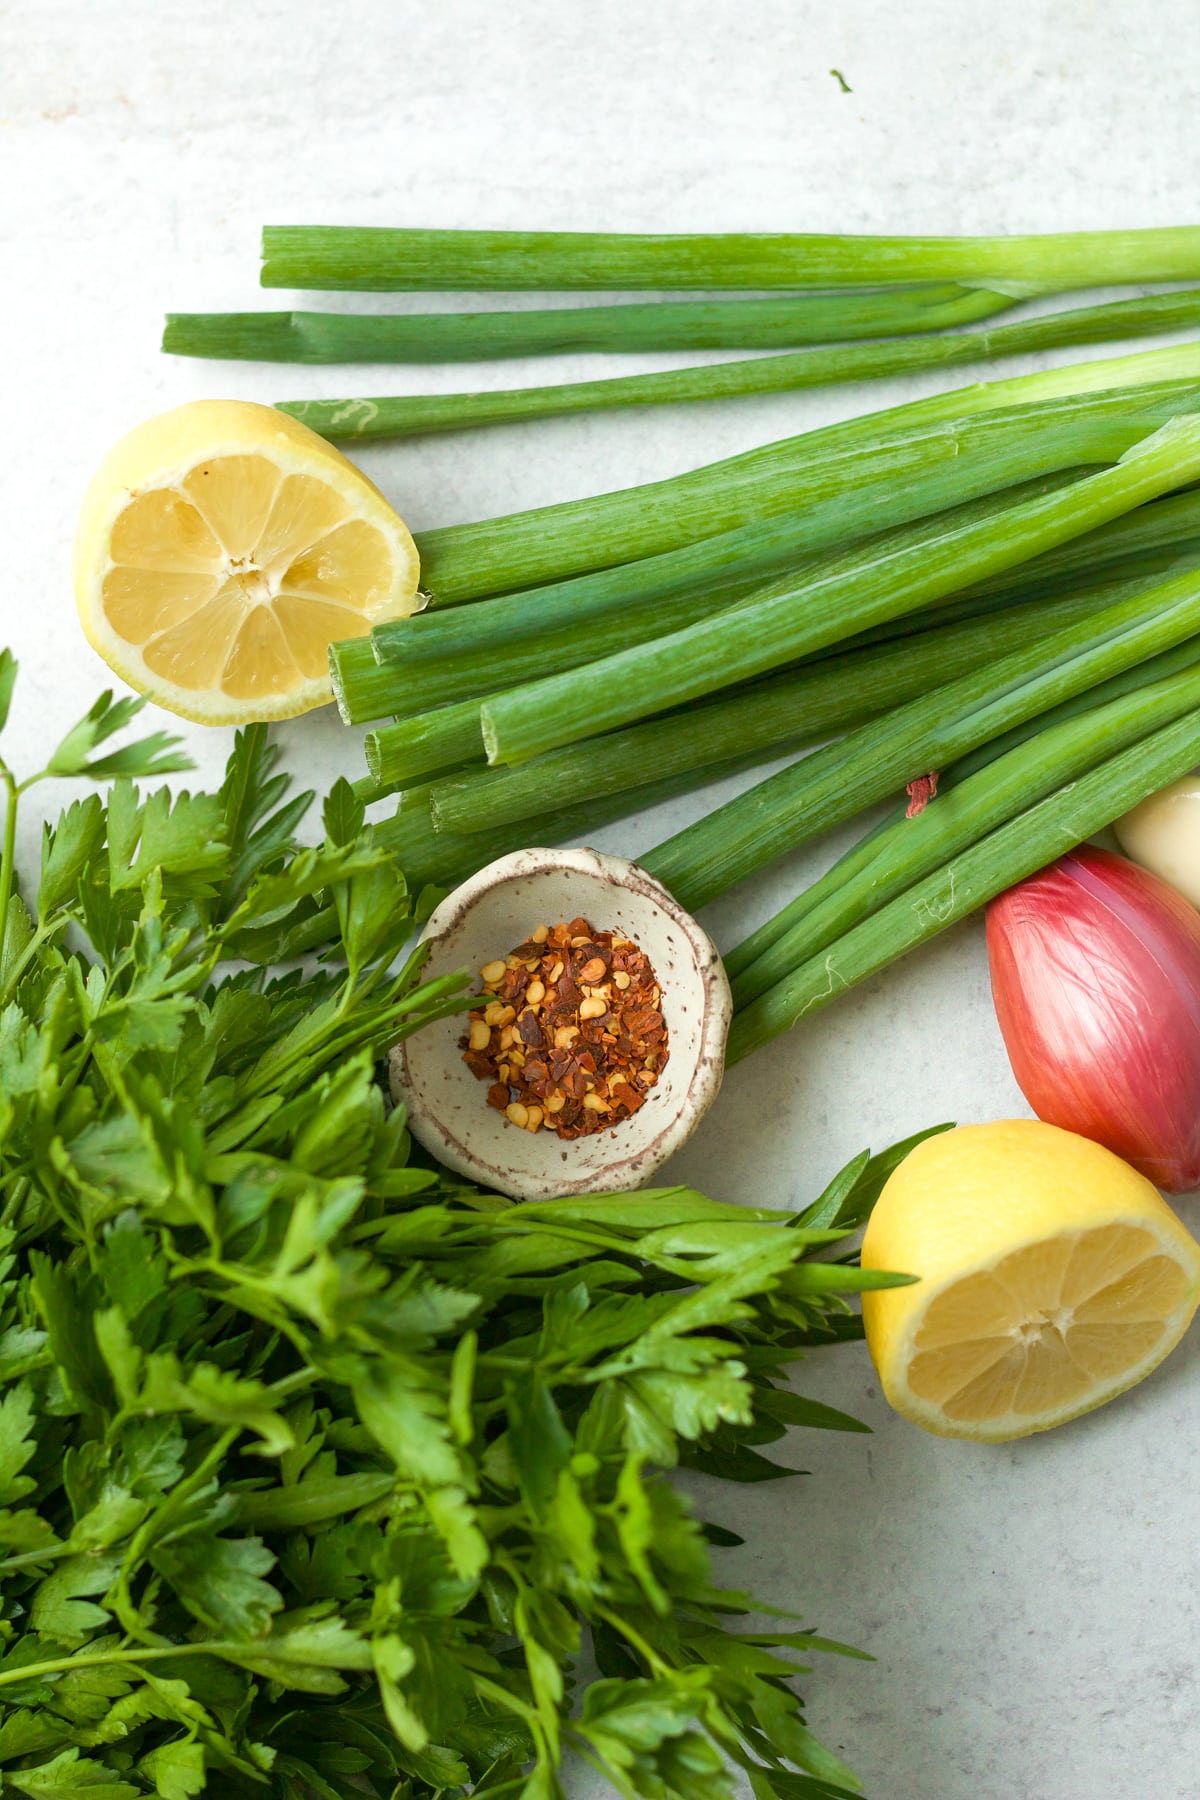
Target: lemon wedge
(1052, 1277)
(222, 547)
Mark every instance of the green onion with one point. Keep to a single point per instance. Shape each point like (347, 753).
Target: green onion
(416, 748)
(1007, 776)
(964, 462)
(837, 781)
(367, 689)
(1026, 843)
(379, 259)
(774, 324)
(449, 631)
(1172, 523)
(422, 745)
(549, 543)
(442, 859)
(795, 618)
(383, 416)
(765, 719)
(1152, 540)
(363, 688)
(464, 652)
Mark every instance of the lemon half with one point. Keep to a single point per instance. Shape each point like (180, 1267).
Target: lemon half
(222, 547)
(1052, 1277)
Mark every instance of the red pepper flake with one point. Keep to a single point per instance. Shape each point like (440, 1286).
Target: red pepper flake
(920, 792)
(589, 1009)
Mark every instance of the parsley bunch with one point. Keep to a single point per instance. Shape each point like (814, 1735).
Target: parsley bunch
(318, 1470)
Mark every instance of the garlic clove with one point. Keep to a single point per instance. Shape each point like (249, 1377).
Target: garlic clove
(1163, 835)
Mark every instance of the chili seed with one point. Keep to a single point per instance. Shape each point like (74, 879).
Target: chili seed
(516, 1113)
(493, 972)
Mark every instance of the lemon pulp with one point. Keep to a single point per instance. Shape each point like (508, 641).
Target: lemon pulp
(1036, 1332)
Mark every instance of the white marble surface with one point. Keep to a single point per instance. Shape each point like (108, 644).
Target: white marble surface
(1033, 1610)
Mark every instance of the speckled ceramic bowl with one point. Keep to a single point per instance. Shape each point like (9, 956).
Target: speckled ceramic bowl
(485, 918)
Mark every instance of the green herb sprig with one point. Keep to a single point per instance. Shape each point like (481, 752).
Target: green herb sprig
(317, 1468)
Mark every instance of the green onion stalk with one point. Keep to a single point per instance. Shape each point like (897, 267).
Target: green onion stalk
(621, 606)
(425, 746)
(462, 652)
(441, 859)
(776, 323)
(920, 737)
(794, 618)
(550, 543)
(400, 415)
(1026, 843)
(1164, 526)
(1154, 539)
(768, 718)
(458, 635)
(460, 655)
(1037, 758)
(382, 259)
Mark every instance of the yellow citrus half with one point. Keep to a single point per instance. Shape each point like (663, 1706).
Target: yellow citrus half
(1052, 1277)
(222, 547)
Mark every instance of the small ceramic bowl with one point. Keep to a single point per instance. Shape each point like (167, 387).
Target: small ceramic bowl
(484, 919)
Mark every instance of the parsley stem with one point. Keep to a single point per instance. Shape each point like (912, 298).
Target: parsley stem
(32, 1558)
(8, 858)
(61, 1665)
(647, 1652)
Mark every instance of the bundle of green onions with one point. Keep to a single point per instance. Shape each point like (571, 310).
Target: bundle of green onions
(1025, 622)
(995, 588)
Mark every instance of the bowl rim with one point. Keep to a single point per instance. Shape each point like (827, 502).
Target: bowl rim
(707, 1056)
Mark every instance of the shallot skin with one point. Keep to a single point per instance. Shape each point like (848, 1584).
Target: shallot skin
(1095, 967)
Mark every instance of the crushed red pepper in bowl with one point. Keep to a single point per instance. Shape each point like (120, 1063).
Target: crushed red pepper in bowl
(569, 1033)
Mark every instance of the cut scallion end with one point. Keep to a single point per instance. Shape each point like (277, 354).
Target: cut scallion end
(414, 749)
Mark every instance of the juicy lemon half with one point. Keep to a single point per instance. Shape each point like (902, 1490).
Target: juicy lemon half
(1052, 1277)
(222, 547)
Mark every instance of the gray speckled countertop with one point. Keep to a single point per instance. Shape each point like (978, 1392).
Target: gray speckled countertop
(1033, 1610)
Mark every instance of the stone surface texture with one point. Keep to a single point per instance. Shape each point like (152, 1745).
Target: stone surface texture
(1033, 1611)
